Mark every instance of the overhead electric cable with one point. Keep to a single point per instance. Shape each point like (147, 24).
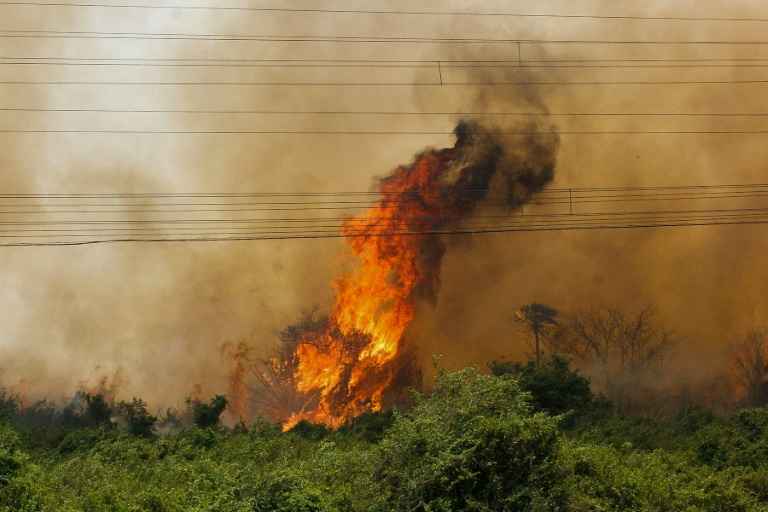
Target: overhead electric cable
(639, 225)
(401, 12)
(388, 132)
(388, 84)
(415, 113)
(83, 34)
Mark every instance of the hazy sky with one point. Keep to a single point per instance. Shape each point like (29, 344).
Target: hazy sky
(161, 311)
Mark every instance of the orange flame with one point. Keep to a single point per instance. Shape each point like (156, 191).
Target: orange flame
(239, 355)
(359, 358)
(106, 385)
(352, 364)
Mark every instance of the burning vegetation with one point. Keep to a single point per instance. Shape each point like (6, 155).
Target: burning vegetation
(359, 357)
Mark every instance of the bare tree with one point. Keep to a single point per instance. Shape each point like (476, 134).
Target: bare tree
(750, 361)
(625, 348)
(537, 318)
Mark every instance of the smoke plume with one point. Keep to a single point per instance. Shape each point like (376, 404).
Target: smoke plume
(360, 359)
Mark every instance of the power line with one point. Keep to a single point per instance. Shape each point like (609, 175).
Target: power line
(74, 34)
(368, 231)
(406, 197)
(373, 64)
(232, 223)
(390, 84)
(303, 227)
(536, 222)
(384, 113)
(542, 199)
(176, 232)
(371, 223)
(394, 62)
(117, 195)
(349, 228)
(355, 220)
(378, 133)
(639, 225)
(532, 219)
(389, 12)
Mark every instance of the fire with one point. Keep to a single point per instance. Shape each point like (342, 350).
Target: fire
(107, 385)
(352, 364)
(239, 355)
(376, 303)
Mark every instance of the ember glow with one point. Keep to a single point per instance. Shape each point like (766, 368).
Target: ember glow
(362, 358)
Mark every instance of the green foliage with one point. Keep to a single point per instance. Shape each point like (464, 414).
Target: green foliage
(9, 406)
(607, 479)
(207, 415)
(9, 438)
(97, 412)
(553, 386)
(742, 440)
(693, 419)
(16, 490)
(261, 427)
(80, 440)
(309, 430)
(474, 444)
(9, 466)
(199, 438)
(370, 426)
(138, 420)
(44, 425)
(285, 491)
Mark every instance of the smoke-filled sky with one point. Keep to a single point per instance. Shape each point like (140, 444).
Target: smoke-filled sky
(160, 312)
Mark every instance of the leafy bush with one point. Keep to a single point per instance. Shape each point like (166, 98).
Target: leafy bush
(207, 415)
(474, 444)
(16, 489)
(309, 430)
(138, 420)
(607, 479)
(97, 412)
(9, 438)
(9, 406)
(554, 386)
(284, 491)
(740, 441)
(370, 426)
(80, 440)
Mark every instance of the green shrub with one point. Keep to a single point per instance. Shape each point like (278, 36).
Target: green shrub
(607, 479)
(9, 406)
(207, 415)
(756, 482)
(9, 438)
(370, 426)
(285, 491)
(554, 386)
(80, 440)
(309, 430)
(138, 420)
(739, 441)
(474, 444)
(97, 412)
(17, 493)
